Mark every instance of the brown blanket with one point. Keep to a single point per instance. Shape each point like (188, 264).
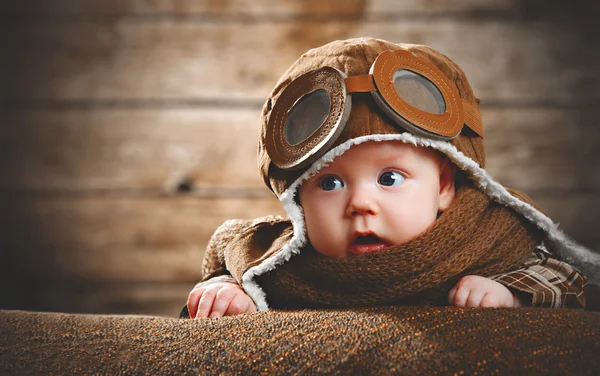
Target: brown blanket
(384, 340)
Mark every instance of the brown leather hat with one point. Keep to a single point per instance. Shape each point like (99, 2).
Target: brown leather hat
(355, 57)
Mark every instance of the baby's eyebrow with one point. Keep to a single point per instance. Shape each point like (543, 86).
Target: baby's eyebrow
(326, 171)
(398, 161)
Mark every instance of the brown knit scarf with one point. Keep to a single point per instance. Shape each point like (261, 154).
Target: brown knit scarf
(474, 236)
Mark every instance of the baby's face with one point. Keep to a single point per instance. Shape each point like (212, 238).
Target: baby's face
(375, 195)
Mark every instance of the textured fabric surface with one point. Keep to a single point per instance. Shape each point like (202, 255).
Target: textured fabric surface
(385, 340)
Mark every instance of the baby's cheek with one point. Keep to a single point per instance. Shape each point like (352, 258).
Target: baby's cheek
(412, 220)
(326, 240)
(313, 233)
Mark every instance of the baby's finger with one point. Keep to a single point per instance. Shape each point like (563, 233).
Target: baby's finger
(222, 301)
(451, 296)
(206, 302)
(241, 303)
(474, 298)
(193, 301)
(490, 300)
(460, 298)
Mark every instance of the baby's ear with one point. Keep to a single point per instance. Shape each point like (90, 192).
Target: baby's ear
(447, 189)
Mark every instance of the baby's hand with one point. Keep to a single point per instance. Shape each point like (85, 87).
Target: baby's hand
(219, 299)
(476, 291)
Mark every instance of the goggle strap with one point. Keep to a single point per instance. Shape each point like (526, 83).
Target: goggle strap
(473, 118)
(360, 84)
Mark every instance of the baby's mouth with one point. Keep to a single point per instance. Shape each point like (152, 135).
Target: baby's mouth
(365, 243)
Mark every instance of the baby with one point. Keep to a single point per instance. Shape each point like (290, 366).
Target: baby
(375, 150)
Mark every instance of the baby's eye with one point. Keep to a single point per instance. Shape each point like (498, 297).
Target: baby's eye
(329, 183)
(390, 178)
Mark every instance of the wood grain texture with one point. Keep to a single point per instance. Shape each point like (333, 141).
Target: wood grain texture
(156, 299)
(543, 149)
(154, 150)
(214, 151)
(141, 62)
(117, 238)
(311, 8)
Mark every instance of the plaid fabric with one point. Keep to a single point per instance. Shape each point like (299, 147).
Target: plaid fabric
(551, 283)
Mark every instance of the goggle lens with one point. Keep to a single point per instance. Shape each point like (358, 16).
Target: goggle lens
(418, 91)
(306, 116)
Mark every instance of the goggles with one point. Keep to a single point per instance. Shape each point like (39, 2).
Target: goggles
(312, 110)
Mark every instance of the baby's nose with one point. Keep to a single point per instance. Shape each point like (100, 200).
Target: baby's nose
(362, 203)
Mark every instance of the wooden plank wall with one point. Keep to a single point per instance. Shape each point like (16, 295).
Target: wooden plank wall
(128, 128)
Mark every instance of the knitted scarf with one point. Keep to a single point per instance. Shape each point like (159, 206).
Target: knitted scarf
(475, 236)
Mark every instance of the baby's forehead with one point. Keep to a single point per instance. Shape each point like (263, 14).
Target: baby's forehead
(394, 154)
(387, 150)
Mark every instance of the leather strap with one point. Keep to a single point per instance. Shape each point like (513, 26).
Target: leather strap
(473, 118)
(360, 84)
